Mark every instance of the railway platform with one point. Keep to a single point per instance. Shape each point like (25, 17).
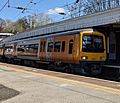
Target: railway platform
(30, 85)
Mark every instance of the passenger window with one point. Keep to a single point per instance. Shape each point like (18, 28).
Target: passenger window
(50, 47)
(70, 46)
(20, 49)
(41, 43)
(9, 49)
(33, 48)
(44, 45)
(57, 46)
(63, 46)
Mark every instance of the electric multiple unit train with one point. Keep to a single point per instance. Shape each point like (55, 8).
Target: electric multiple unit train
(73, 51)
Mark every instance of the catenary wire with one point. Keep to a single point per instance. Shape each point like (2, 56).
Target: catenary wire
(4, 5)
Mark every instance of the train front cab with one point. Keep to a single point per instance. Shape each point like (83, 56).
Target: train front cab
(92, 52)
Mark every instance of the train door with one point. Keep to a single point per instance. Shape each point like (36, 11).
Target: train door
(49, 49)
(42, 49)
(58, 52)
(14, 50)
(70, 48)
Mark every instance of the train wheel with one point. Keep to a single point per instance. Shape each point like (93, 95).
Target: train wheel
(68, 69)
(6, 60)
(51, 67)
(117, 74)
(12, 61)
(95, 70)
(22, 62)
(83, 71)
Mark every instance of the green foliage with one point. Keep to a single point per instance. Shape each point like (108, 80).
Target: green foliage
(25, 23)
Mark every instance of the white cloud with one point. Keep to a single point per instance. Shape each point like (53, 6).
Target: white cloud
(56, 11)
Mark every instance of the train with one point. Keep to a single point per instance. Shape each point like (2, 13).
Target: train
(82, 50)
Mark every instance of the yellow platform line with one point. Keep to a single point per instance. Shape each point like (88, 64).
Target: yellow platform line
(88, 85)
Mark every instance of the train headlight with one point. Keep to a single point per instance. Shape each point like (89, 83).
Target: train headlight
(84, 57)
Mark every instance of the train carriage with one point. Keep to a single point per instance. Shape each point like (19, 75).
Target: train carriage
(79, 50)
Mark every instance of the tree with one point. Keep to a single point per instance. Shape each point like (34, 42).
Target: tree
(28, 22)
(8, 26)
(36, 20)
(2, 24)
(84, 7)
(75, 9)
(91, 6)
(22, 24)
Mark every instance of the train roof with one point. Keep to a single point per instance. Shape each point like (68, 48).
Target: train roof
(6, 34)
(19, 36)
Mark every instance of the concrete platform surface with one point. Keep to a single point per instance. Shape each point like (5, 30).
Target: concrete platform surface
(6, 93)
(38, 88)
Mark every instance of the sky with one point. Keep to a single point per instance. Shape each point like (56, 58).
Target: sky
(51, 7)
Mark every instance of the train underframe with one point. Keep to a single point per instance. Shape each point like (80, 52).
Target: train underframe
(91, 67)
(85, 67)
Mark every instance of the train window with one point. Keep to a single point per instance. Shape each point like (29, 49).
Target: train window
(41, 45)
(9, 49)
(70, 46)
(44, 45)
(92, 43)
(57, 46)
(63, 46)
(20, 49)
(50, 47)
(33, 48)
